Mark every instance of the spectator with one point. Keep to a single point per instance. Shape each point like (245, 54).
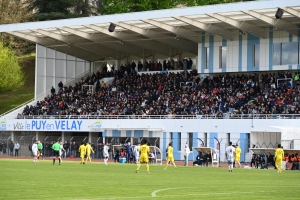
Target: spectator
(122, 153)
(253, 161)
(17, 148)
(270, 160)
(199, 159)
(117, 156)
(206, 158)
(186, 155)
(4, 147)
(11, 148)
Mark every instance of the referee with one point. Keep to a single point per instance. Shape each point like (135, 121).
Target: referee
(56, 148)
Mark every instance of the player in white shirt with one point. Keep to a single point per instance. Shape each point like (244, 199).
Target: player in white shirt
(34, 149)
(61, 150)
(136, 153)
(105, 153)
(230, 152)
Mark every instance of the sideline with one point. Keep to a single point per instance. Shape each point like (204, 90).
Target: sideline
(178, 195)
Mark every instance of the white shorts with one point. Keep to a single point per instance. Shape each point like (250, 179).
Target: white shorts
(230, 158)
(105, 155)
(34, 153)
(137, 158)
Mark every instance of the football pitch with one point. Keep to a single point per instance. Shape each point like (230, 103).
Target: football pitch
(22, 179)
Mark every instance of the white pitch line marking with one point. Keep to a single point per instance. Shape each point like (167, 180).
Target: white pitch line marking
(153, 194)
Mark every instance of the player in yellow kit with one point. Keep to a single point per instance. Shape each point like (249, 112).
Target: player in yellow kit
(89, 149)
(237, 156)
(279, 155)
(82, 151)
(170, 157)
(144, 156)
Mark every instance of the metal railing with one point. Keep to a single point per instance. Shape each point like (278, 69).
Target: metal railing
(256, 116)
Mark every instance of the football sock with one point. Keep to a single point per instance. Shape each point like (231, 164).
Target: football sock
(82, 159)
(174, 165)
(138, 166)
(59, 160)
(147, 167)
(53, 161)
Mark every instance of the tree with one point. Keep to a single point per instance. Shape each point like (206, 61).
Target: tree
(125, 6)
(15, 11)
(11, 74)
(61, 9)
(84, 7)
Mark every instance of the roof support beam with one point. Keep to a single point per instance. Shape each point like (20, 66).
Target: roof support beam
(190, 35)
(292, 11)
(210, 28)
(182, 44)
(86, 55)
(244, 26)
(157, 47)
(277, 23)
(35, 39)
(109, 52)
(133, 50)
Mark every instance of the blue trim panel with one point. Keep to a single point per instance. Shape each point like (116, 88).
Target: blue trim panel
(195, 144)
(243, 145)
(175, 145)
(150, 134)
(224, 42)
(212, 137)
(128, 133)
(211, 53)
(290, 40)
(116, 133)
(252, 39)
(203, 53)
(164, 145)
(138, 133)
(271, 49)
(240, 53)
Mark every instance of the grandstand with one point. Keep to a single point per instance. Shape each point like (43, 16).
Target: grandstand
(219, 73)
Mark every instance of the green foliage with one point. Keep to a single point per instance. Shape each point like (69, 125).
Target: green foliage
(125, 6)
(49, 6)
(206, 2)
(11, 74)
(60, 9)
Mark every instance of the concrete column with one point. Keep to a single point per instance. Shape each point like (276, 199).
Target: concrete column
(90, 137)
(62, 136)
(117, 64)
(12, 136)
(37, 135)
(184, 140)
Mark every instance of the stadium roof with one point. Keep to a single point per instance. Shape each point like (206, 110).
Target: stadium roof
(167, 32)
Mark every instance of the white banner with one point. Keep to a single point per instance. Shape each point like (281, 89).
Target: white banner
(52, 125)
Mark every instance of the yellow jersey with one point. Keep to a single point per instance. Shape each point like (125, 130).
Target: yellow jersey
(82, 149)
(144, 150)
(170, 151)
(279, 154)
(89, 149)
(238, 151)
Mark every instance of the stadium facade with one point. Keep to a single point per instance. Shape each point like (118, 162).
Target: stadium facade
(227, 38)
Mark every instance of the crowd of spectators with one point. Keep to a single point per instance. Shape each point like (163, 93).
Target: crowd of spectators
(158, 66)
(237, 95)
(258, 161)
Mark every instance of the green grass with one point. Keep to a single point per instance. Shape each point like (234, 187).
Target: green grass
(22, 179)
(11, 99)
